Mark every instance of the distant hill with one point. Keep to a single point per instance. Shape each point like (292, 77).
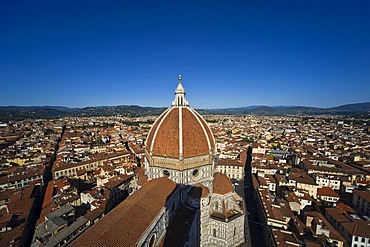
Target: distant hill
(351, 109)
(61, 108)
(33, 112)
(37, 112)
(124, 110)
(359, 107)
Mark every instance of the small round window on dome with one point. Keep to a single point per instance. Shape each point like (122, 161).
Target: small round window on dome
(166, 173)
(196, 174)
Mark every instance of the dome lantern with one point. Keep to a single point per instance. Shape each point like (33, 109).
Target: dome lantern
(180, 93)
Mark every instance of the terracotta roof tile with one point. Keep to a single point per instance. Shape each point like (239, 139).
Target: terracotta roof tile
(346, 208)
(364, 194)
(125, 224)
(326, 191)
(221, 184)
(230, 162)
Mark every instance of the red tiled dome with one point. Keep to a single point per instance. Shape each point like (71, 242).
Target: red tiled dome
(222, 184)
(180, 132)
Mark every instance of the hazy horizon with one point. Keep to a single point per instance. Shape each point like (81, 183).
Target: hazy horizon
(170, 104)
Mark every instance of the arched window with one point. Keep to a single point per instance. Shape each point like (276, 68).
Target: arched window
(216, 205)
(214, 232)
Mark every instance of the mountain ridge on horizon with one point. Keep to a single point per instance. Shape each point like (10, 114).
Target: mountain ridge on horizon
(24, 112)
(216, 108)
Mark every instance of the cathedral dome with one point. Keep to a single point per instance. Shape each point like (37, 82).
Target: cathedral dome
(180, 133)
(222, 184)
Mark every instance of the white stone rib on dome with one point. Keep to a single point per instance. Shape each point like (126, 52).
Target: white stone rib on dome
(160, 118)
(200, 117)
(201, 124)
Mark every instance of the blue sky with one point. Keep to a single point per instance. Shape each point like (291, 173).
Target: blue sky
(230, 53)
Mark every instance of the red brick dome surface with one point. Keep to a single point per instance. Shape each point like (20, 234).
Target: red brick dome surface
(180, 130)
